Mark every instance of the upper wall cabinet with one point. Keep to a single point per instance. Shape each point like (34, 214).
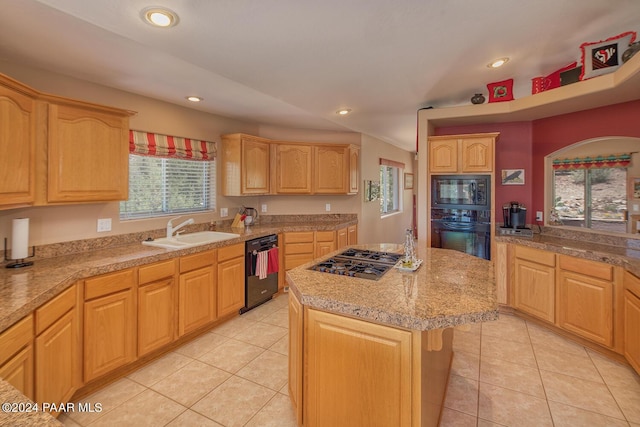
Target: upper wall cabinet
(88, 154)
(57, 150)
(17, 143)
(245, 165)
(293, 168)
(473, 153)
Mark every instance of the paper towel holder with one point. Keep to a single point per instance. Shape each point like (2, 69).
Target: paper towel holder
(19, 263)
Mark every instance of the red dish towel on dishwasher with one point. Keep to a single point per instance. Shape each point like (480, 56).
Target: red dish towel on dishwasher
(261, 265)
(272, 265)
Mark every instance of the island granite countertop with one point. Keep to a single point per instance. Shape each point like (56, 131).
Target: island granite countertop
(450, 288)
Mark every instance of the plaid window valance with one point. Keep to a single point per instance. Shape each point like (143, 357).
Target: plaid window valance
(607, 161)
(158, 145)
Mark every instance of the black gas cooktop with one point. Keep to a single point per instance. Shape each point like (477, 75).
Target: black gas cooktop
(361, 263)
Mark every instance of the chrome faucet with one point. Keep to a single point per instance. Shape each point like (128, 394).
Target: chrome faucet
(171, 229)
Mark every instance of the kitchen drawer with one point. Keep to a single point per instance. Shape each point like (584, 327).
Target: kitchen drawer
(154, 272)
(50, 312)
(325, 236)
(292, 261)
(15, 338)
(299, 237)
(632, 283)
(536, 255)
(586, 267)
(299, 248)
(232, 251)
(199, 260)
(108, 283)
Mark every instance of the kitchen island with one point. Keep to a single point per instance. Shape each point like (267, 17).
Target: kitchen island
(378, 352)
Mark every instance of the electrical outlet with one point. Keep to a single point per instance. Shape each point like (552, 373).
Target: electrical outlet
(636, 208)
(539, 216)
(264, 208)
(224, 212)
(327, 207)
(104, 224)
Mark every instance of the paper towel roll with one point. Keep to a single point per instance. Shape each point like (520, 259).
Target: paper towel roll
(20, 239)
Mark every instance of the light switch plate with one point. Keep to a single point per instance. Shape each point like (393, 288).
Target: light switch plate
(264, 208)
(327, 207)
(539, 216)
(224, 212)
(104, 224)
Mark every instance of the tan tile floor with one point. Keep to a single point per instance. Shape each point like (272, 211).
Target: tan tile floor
(505, 373)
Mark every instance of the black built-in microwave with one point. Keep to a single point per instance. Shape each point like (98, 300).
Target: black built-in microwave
(461, 191)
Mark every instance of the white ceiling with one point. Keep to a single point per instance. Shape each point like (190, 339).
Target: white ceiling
(295, 62)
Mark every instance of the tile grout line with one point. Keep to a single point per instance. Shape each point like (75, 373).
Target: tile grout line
(535, 357)
(608, 387)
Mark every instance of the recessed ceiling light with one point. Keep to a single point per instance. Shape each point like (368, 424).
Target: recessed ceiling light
(498, 63)
(343, 111)
(194, 98)
(159, 17)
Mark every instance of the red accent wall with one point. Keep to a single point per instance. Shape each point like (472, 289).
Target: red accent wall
(513, 151)
(524, 145)
(554, 133)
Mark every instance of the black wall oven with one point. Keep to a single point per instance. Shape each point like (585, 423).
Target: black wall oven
(461, 213)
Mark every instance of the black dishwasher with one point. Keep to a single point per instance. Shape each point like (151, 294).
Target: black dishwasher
(261, 271)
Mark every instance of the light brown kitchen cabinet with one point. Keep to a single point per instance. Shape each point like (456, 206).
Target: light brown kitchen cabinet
(245, 161)
(58, 357)
(352, 235)
(331, 171)
(534, 288)
(88, 153)
(325, 243)
(293, 168)
(197, 291)
(335, 347)
(354, 169)
(109, 326)
(231, 279)
(295, 355)
(586, 298)
(157, 306)
(17, 144)
(299, 248)
(632, 320)
(473, 153)
(341, 237)
(16, 356)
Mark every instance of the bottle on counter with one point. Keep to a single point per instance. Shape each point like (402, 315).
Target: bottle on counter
(409, 249)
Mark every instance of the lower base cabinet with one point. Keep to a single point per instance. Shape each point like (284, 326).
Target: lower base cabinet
(632, 320)
(16, 356)
(535, 286)
(197, 291)
(109, 323)
(230, 279)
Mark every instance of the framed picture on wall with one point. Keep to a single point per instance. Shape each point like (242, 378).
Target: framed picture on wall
(634, 188)
(512, 176)
(408, 181)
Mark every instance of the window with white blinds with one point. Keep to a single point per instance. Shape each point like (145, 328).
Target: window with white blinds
(162, 186)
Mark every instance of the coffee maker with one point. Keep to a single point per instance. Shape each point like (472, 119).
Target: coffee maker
(514, 215)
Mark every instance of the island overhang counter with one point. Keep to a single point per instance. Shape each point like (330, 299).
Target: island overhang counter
(378, 352)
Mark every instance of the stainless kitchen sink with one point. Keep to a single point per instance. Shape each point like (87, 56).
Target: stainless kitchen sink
(190, 240)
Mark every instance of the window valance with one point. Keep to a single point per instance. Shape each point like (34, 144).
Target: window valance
(158, 145)
(387, 162)
(606, 161)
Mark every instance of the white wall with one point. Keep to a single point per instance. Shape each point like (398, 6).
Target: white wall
(52, 224)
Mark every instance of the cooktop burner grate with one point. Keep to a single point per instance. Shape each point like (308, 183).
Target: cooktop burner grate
(361, 263)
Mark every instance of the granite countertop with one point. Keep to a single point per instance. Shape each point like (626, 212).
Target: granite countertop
(21, 410)
(450, 288)
(609, 250)
(25, 289)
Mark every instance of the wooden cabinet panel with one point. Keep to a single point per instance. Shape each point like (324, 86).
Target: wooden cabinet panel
(156, 315)
(293, 168)
(331, 169)
(324, 248)
(108, 283)
(354, 170)
(295, 355)
(632, 329)
(298, 237)
(156, 271)
(336, 350)
(477, 155)
(255, 166)
(17, 144)
(109, 333)
(536, 255)
(534, 289)
(230, 285)
(49, 313)
(352, 235)
(57, 361)
(586, 307)
(199, 260)
(232, 251)
(443, 156)
(88, 155)
(341, 239)
(18, 371)
(197, 299)
(586, 267)
(16, 356)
